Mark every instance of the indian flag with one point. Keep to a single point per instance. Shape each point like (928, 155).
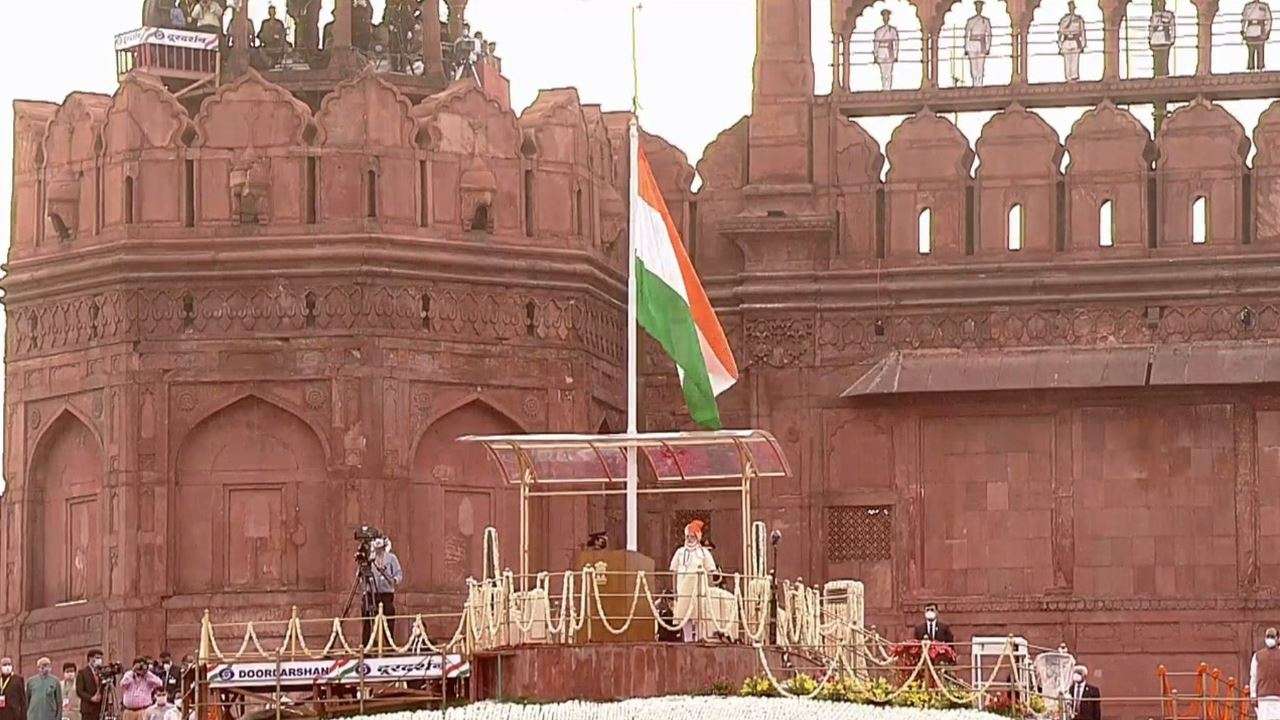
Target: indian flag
(671, 304)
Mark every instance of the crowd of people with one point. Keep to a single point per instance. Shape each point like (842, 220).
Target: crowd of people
(148, 690)
(395, 40)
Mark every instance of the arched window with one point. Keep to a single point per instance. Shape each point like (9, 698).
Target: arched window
(924, 232)
(1106, 225)
(371, 190)
(1199, 220)
(1015, 227)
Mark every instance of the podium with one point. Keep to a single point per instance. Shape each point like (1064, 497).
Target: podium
(616, 591)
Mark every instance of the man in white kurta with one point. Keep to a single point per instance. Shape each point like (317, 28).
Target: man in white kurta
(977, 43)
(1255, 28)
(1264, 678)
(885, 49)
(692, 564)
(1071, 41)
(1162, 31)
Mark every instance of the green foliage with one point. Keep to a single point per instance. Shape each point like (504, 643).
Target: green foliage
(722, 688)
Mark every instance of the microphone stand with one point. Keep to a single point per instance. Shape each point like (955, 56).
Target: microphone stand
(774, 539)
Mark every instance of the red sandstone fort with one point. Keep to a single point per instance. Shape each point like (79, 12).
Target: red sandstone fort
(248, 316)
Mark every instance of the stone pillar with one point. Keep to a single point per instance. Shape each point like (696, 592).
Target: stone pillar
(781, 123)
(342, 24)
(457, 16)
(932, 33)
(433, 63)
(1205, 12)
(1112, 16)
(241, 34)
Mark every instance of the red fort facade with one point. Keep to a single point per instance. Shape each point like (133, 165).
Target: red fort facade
(244, 322)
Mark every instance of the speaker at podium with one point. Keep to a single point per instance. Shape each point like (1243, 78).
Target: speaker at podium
(616, 580)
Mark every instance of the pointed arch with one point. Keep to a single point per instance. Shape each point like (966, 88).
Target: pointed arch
(203, 414)
(65, 482)
(455, 492)
(251, 501)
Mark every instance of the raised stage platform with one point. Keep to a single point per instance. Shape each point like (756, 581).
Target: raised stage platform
(613, 671)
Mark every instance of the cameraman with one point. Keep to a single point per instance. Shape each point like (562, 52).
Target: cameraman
(387, 575)
(137, 690)
(89, 687)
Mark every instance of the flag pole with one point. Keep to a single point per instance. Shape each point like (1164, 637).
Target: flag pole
(633, 483)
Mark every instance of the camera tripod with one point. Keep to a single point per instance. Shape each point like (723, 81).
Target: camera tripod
(110, 708)
(364, 586)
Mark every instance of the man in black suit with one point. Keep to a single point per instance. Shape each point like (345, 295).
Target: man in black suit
(89, 687)
(169, 674)
(932, 628)
(1086, 700)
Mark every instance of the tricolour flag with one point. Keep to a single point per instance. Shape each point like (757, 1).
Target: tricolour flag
(671, 304)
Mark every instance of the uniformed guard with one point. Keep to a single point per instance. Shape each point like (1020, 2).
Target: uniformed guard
(1255, 28)
(1161, 33)
(1071, 41)
(885, 50)
(977, 43)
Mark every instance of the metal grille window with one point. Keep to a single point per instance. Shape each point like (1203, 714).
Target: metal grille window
(859, 532)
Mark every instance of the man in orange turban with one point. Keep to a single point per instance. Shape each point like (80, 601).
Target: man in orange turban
(692, 565)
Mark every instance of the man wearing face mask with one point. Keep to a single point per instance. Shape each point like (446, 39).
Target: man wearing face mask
(13, 692)
(89, 687)
(932, 628)
(163, 709)
(44, 693)
(70, 702)
(1264, 678)
(1086, 700)
(169, 674)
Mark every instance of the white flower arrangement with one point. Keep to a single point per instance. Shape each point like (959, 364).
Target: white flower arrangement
(687, 708)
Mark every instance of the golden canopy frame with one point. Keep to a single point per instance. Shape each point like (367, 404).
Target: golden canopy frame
(567, 465)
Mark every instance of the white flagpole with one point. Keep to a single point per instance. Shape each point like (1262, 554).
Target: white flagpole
(633, 482)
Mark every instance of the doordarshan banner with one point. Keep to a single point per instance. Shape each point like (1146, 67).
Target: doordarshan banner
(310, 672)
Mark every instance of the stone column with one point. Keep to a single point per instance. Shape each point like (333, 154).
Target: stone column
(933, 32)
(241, 34)
(1112, 15)
(432, 62)
(782, 98)
(1205, 12)
(457, 16)
(342, 24)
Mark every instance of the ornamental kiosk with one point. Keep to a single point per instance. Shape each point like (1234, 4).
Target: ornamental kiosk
(184, 60)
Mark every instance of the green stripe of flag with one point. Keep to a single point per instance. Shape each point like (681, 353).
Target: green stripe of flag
(665, 315)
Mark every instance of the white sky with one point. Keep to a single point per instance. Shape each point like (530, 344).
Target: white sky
(695, 56)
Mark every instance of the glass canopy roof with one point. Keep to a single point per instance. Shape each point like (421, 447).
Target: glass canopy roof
(668, 457)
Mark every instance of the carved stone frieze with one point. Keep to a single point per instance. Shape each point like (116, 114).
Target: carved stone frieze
(857, 338)
(440, 311)
(780, 342)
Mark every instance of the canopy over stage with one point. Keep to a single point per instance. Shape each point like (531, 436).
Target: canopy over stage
(569, 465)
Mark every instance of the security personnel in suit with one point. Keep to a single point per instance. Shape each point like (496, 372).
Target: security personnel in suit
(932, 628)
(1086, 700)
(89, 687)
